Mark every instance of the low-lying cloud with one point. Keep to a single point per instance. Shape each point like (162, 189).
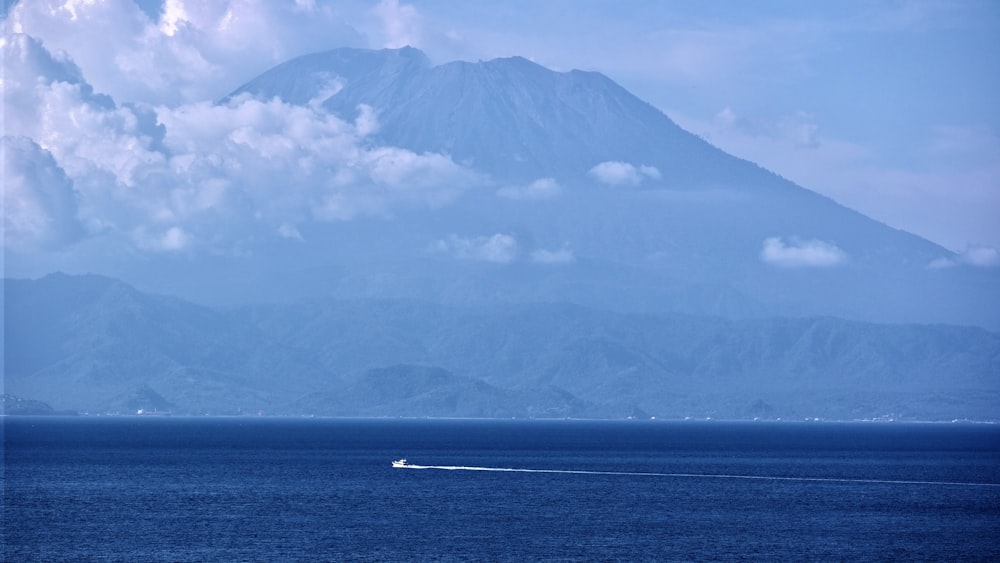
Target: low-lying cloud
(979, 256)
(799, 253)
(616, 173)
(982, 256)
(500, 248)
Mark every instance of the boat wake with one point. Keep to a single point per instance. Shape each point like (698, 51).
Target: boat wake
(699, 475)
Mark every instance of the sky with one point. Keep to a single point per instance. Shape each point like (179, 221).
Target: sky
(887, 107)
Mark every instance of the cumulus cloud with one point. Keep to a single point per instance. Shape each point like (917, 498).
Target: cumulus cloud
(177, 177)
(400, 24)
(616, 173)
(797, 253)
(499, 248)
(542, 188)
(193, 50)
(38, 204)
(292, 163)
(31, 72)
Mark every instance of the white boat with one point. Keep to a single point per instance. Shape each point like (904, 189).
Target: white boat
(399, 463)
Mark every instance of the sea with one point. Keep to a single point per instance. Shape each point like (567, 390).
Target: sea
(290, 489)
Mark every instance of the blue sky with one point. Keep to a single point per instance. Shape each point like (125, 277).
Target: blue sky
(887, 107)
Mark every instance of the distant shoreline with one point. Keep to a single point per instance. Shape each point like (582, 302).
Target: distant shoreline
(655, 420)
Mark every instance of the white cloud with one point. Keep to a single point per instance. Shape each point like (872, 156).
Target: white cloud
(430, 177)
(39, 204)
(400, 24)
(366, 122)
(982, 256)
(171, 176)
(562, 256)
(542, 188)
(293, 163)
(174, 15)
(172, 239)
(196, 50)
(499, 248)
(616, 173)
(976, 255)
(796, 253)
(650, 172)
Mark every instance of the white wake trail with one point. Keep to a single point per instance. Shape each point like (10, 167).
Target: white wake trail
(703, 476)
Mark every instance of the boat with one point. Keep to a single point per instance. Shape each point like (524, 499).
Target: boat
(399, 463)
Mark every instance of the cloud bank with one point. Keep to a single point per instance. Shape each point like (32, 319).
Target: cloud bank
(192, 175)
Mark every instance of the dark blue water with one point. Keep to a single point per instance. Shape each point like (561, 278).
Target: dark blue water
(200, 489)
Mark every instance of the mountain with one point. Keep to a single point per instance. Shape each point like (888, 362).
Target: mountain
(513, 241)
(589, 195)
(95, 344)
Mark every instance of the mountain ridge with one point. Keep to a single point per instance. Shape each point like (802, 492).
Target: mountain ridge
(356, 358)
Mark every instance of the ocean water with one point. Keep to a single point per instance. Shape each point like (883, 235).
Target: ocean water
(241, 489)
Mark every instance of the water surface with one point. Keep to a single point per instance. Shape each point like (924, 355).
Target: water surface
(197, 489)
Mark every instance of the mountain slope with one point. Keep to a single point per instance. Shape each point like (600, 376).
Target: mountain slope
(578, 168)
(509, 117)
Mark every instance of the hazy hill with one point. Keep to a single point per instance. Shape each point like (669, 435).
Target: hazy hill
(95, 344)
